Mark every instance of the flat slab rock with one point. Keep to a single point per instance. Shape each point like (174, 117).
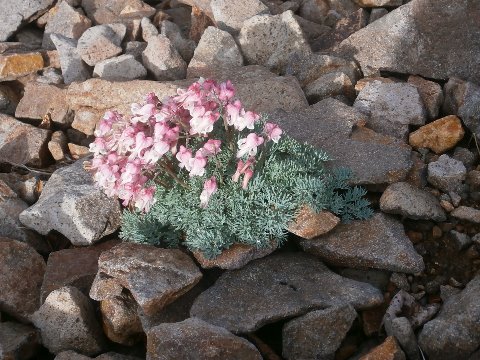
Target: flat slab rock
(195, 338)
(379, 243)
(154, 276)
(21, 276)
(455, 332)
(275, 288)
(330, 126)
(22, 143)
(414, 203)
(406, 40)
(72, 205)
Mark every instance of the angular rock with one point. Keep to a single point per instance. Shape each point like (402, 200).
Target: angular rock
(121, 323)
(230, 16)
(66, 21)
(259, 47)
(216, 48)
(467, 213)
(378, 243)
(409, 201)
(462, 99)
(235, 257)
(256, 86)
(185, 47)
(312, 30)
(78, 268)
(446, 173)
(18, 341)
(314, 10)
(10, 226)
(329, 85)
(439, 136)
(149, 31)
(14, 66)
(120, 68)
(310, 68)
(391, 107)
(163, 60)
(343, 28)
(402, 330)
(42, 99)
(112, 11)
(15, 14)
(406, 41)
(455, 332)
(199, 22)
(329, 126)
(67, 322)
(376, 14)
(72, 205)
(78, 151)
(430, 92)
(135, 48)
(309, 224)
(194, 336)
(318, 334)
(21, 275)
(99, 43)
(241, 300)
(388, 350)
(58, 145)
(9, 99)
(154, 276)
(22, 143)
(461, 240)
(73, 68)
(378, 3)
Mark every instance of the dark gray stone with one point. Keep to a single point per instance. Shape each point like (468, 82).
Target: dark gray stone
(242, 300)
(446, 174)
(18, 341)
(379, 243)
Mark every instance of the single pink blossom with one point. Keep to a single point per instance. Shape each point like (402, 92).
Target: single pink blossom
(272, 131)
(209, 188)
(227, 91)
(144, 199)
(249, 145)
(202, 120)
(184, 156)
(98, 146)
(246, 177)
(197, 164)
(142, 142)
(241, 167)
(143, 113)
(233, 111)
(211, 147)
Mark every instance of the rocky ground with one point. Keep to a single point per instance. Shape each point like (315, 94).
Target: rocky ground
(386, 87)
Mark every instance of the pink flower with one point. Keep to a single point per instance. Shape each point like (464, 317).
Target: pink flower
(202, 121)
(249, 145)
(131, 172)
(239, 118)
(241, 167)
(227, 91)
(151, 98)
(142, 142)
(211, 147)
(248, 175)
(209, 188)
(184, 156)
(106, 123)
(272, 131)
(98, 146)
(233, 112)
(142, 113)
(144, 199)
(197, 164)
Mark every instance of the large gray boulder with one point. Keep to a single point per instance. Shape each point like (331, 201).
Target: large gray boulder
(72, 205)
(379, 242)
(278, 287)
(407, 40)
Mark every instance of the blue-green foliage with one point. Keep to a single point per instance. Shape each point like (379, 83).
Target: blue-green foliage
(288, 175)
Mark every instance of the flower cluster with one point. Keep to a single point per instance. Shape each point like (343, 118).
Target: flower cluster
(180, 133)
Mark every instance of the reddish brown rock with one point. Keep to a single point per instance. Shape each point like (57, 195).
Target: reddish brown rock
(388, 350)
(235, 257)
(309, 224)
(200, 21)
(42, 99)
(14, 66)
(22, 143)
(78, 268)
(21, 276)
(430, 92)
(78, 151)
(194, 336)
(154, 276)
(120, 321)
(113, 11)
(439, 136)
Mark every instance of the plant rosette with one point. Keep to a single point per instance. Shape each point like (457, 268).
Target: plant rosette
(199, 169)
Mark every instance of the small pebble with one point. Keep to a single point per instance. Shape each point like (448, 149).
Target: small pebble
(436, 232)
